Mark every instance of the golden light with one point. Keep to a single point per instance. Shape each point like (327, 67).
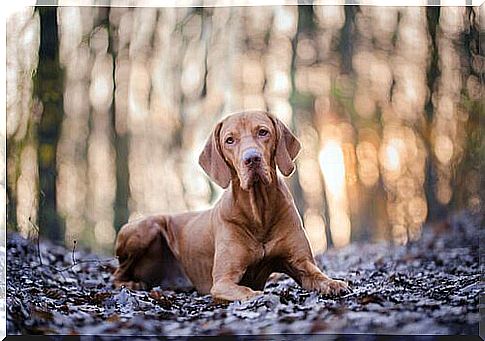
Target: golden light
(392, 157)
(332, 164)
(367, 163)
(340, 227)
(315, 229)
(418, 209)
(306, 168)
(27, 187)
(443, 149)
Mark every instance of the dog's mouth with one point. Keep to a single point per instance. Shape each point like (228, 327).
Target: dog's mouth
(255, 175)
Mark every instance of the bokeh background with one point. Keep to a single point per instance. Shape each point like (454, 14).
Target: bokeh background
(109, 107)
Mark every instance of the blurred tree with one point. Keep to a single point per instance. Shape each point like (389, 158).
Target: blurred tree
(23, 112)
(433, 16)
(121, 142)
(49, 88)
(468, 180)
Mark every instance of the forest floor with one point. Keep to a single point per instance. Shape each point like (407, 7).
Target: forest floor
(431, 286)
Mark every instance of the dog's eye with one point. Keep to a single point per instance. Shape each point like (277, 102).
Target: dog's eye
(230, 140)
(263, 132)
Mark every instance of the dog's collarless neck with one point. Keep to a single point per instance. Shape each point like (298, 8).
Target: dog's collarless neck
(258, 207)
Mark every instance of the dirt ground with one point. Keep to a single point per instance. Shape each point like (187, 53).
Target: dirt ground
(431, 287)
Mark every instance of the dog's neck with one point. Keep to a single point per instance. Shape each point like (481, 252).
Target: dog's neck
(260, 206)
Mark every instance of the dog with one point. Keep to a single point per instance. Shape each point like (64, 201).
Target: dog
(253, 230)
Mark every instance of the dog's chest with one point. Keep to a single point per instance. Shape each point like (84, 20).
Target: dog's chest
(258, 271)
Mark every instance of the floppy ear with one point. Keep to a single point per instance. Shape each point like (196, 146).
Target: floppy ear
(212, 162)
(287, 147)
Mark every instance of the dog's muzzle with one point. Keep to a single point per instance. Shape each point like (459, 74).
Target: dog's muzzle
(254, 168)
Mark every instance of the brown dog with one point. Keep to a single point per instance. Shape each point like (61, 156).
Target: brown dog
(254, 230)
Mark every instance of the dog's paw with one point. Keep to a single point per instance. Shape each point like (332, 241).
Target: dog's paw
(234, 293)
(132, 285)
(254, 294)
(338, 287)
(333, 287)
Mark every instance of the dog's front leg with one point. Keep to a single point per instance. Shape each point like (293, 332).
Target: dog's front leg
(230, 265)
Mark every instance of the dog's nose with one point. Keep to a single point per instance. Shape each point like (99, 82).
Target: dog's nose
(251, 157)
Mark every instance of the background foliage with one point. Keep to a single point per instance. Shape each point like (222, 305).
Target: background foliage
(108, 108)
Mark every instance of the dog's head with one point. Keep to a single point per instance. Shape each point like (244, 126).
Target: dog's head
(249, 146)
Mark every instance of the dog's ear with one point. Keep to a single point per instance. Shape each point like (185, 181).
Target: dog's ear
(212, 162)
(287, 147)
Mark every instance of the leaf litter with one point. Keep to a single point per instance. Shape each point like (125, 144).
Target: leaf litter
(429, 286)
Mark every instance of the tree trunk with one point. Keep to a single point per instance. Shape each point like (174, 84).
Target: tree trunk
(48, 88)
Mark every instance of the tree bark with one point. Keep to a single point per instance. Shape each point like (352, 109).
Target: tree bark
(48, 88)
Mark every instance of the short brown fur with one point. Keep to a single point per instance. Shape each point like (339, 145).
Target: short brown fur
(254, 229)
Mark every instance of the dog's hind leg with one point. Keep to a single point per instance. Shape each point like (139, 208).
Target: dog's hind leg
(145, 260)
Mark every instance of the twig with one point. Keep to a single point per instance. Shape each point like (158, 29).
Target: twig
(348, 295)
(73, 250)
(73, 256)
(82, 262)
